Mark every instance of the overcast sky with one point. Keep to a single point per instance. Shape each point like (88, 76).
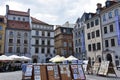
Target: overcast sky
(55, 12)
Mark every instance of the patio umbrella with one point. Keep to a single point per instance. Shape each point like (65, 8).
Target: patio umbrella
(15, 57)
(5, 58)
(24, 58)
(57, 56)
(60, 59)
(70, 58)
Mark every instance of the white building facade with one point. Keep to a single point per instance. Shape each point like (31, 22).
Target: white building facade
(42, 41)
(110, 18)
(17, 39)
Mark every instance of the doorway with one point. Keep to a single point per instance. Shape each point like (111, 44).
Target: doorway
(109, 57)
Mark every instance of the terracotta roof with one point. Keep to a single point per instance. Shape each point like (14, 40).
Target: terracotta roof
(18, 25)
(18, 13)
(34, 20)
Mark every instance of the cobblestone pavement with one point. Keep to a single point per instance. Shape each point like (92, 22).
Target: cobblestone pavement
(17, 75)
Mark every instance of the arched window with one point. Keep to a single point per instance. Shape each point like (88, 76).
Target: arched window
(116, 12)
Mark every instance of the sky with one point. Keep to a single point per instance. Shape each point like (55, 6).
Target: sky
(55, 12)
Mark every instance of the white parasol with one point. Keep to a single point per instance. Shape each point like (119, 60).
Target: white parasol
(24, 58)
(5, 58)
(57, 56)
(60, 59)
(15, 57)
(71, 58)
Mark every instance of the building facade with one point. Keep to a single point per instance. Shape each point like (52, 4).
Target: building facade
(64, 41)
(110, 18)
(79, 37)
(42, 41)
(93, 38)
(2, 33)
(17, 40)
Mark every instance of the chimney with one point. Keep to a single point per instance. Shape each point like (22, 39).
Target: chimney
(99, 7)
(7, 9)
(28, 11)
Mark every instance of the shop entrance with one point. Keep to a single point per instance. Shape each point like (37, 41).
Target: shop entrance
(109, 57)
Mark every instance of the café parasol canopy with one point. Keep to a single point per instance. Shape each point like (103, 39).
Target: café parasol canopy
(60, 59)
(71, 58)
(15, 57)
(5, 58)
(24, 58)
(57, 56)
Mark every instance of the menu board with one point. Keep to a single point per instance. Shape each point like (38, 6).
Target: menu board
(28, 70)
(56, 73)
(104, 68)
(37, 72)
(81, 73)
(78, 72)
(96, 67)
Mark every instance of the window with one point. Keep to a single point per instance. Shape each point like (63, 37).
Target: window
(37, 42)
(92, 24)
(0, 27)
(88, 35)
(25, 34)
(76, 50)
(25, 42)
(43, 42)
(36, 50)
(10, 49)
(97, 33)
(88, 25)
(48, 34)
(105, 30)
(75, 41)
(25, 50)
(11, 33)
(18, 50)
(48, 42)
(98, 46)
(79, 50)
(10, 40)
(48, 50)
(43, 33)
(18, 18)
(43, 50)
(65, 44)
(1, 20)
(23, 19)
(104, 18)
(111, 28)
(18, 41)
(0, 47)
(18, 34)
(37, 33)
(14, 18)
(0, 36)
(112, 42)
(96, 22)
(116, 12)
(89, 47)
(110, 15)
(94, 47)
(106, 43)
(79, 41)
(93, 34)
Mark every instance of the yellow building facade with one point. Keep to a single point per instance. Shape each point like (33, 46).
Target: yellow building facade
(2, 33)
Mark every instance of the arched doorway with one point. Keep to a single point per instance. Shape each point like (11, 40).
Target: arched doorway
(109, 57)
(35, 60)
(99, 59)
